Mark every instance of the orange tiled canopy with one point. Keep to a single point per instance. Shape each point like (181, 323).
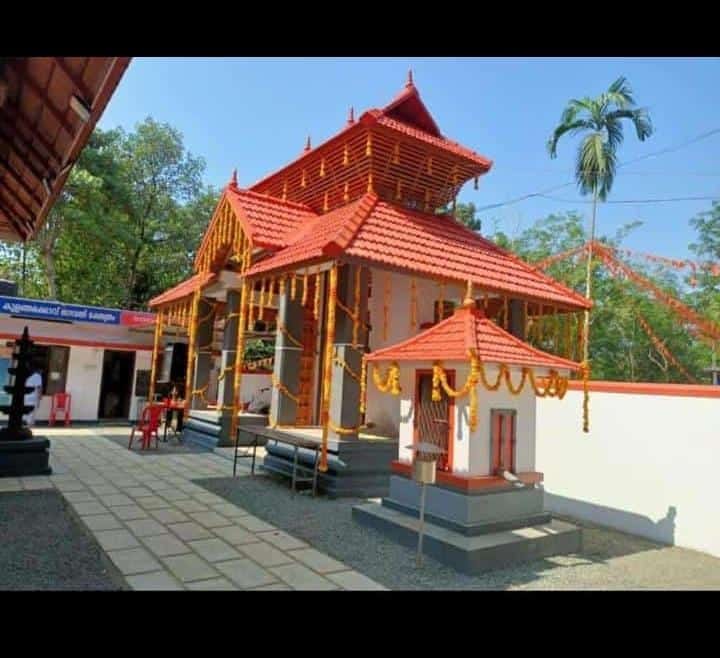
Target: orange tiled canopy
(183, 289)
(466, 329)
(393, 236)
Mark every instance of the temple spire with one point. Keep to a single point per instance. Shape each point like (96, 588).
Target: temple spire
(409, 82)
(233, 179)
(351, 116)
(307, 145)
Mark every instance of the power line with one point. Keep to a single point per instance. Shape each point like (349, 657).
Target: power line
(667, 200)
(668, 149)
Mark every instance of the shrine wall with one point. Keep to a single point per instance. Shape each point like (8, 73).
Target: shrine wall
(648, 466)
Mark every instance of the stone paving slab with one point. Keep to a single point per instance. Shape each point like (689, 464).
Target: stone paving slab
(212, 584)
(164, 532)
(189, 567)
(213, 550)
(235, 535)
(245, 573)
(318, 561)
(169, 515)
(166, 545)
(298, 576)
(134, 560)
(155, 581)
(129, 512)
(353, 580)
(265, 554)
(116, 539)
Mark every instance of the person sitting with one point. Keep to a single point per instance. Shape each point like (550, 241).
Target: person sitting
(33, 398)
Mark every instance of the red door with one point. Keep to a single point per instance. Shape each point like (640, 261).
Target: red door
(503, 440)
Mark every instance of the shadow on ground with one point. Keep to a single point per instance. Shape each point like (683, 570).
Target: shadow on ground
(170, 447)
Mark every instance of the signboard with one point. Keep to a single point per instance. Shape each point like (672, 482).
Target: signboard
(57, 311)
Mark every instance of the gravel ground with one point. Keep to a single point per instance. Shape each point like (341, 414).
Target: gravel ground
(609, 559)
(44, 547)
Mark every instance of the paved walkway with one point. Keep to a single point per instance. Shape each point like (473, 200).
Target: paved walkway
(164, 532)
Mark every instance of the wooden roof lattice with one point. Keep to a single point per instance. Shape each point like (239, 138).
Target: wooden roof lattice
(48, 109)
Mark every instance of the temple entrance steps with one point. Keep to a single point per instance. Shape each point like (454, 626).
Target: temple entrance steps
(356, 467)
(478, 553)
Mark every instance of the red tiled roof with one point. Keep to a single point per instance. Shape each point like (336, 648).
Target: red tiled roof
(468, 328)
(183, 289)
(433, 245)
(406, 114)
(268, 221)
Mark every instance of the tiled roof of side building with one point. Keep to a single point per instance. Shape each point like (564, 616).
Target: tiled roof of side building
(466, 329)
(182, 289)
(433, 245)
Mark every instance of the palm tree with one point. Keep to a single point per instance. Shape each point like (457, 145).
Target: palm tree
(600, 120)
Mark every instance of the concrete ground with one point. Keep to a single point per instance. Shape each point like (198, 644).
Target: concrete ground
(163, 530)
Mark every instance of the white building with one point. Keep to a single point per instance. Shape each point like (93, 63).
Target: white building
(100, 356)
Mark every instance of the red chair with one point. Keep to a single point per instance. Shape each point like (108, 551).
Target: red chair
(60, 403)
(148, 425)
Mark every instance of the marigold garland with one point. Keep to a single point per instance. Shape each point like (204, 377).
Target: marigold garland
(283, 389)
(338, 360)
(413, 304)
(391, 383)
(305, 289)
(293, 286)
(316, 301)
(356, 316)
(363, 386)
(386, 305)
(285, 332)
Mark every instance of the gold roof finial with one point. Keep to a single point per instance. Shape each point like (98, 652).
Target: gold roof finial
(307, 145)
(468, 302)
(409, 82)
(351, 116)
(233, 178)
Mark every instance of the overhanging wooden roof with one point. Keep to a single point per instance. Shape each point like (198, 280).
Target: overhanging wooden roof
(48, 108)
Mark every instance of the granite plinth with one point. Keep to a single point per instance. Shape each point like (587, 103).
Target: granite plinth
(25, 457)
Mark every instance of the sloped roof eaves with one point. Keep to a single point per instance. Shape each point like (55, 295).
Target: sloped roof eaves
(182, 289)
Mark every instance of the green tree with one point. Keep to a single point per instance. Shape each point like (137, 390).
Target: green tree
(600, 120)
(466, 213)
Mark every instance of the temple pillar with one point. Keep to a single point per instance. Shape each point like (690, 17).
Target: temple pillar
(227, 364)
(516, 324)
(288, 350)
(344, 409)
(203, 351)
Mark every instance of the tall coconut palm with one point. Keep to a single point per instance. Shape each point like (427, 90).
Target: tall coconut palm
(600, 121)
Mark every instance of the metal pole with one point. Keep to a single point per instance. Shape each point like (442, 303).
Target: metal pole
(422, 524)
(24, 267)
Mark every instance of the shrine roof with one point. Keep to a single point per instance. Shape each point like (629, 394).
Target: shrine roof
(392, 236)
(268, 222)
(183, 289)
(468, 329)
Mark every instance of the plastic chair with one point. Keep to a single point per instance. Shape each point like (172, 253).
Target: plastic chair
(60, 403)
(148, 425)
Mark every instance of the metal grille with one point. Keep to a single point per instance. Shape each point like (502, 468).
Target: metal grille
(433, 419)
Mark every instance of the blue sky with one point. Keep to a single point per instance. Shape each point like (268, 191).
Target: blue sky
(254, 114)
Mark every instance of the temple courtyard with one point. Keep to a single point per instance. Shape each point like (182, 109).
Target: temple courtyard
(177, 519)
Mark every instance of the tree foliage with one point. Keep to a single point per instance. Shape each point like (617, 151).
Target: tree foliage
(619, 347)
(126, 224)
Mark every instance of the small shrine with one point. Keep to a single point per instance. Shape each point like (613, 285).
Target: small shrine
(20, 452)
(468, 387)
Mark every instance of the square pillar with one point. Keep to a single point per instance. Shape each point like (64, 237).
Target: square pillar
(227, 364)
(345, 390)
(516, 324)
(203, 351)
(286, 371)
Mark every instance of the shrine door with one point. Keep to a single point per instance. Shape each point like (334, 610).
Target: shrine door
(433, 419)
(502, 428)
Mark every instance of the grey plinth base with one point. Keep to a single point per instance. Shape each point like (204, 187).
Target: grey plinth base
(25, 457)
(473, 554)
(208, 429)
(356, 467)
(470, 513)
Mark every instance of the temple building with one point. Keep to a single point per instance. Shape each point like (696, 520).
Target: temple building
(350, 249)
